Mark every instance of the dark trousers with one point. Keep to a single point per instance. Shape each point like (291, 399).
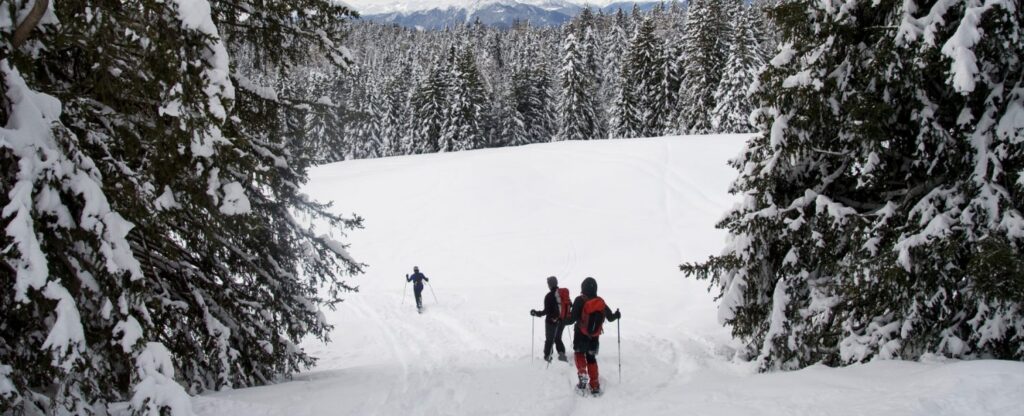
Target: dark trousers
(418, 291)
(553, 335)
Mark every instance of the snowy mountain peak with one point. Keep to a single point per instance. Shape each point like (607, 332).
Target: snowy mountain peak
(500, 13)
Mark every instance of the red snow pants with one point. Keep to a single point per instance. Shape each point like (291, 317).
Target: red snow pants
(586, 364)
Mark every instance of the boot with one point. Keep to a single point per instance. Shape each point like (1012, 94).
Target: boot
(596, 391)
(562, 357)
(582, 385)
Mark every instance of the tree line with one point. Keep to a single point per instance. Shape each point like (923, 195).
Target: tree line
(672, 70)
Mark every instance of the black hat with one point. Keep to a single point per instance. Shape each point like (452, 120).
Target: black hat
(589, 287)
(552, 282)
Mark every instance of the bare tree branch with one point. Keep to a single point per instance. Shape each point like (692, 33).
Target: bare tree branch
(25, 28)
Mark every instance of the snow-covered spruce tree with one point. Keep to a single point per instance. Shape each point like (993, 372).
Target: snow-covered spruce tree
(671, 66)
(512, 124)
(642, 97)
(430, 106)
(592, 52)
(371, 140)
(732, 105)
(467, 123)
(325, 138)
(765, 28)
(883, 195)
(576, 109)
(397, 116)
(533, 106)
(704, 50)
(151, 247)
(615, 44)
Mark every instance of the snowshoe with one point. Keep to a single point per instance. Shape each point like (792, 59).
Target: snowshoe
(581, 387)
(596, 392)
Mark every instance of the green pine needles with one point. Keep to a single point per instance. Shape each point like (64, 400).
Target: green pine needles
(882, 198)
(156, 243)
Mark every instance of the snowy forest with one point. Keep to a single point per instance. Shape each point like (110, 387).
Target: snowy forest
(621, 75)
(160, 241)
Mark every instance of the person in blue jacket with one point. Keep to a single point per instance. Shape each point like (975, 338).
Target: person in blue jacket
(417, 279)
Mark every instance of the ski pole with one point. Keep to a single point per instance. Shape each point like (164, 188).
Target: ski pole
(532, 325)
(405, 289)
(432, 291)
(618, 333)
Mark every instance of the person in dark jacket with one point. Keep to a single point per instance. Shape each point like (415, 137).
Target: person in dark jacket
(417, 286)
(585, 346)
(553, 325)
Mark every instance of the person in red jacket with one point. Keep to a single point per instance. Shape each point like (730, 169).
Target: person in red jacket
(588, 314)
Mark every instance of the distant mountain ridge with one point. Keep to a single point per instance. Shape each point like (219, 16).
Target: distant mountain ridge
(499, 13)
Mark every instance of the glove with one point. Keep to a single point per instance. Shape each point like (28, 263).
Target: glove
(618, 315)
(533, 312)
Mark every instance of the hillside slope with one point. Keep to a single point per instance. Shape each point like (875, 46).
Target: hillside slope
(488, 226)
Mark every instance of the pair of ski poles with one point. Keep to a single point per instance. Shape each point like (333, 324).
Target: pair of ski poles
(405, 289)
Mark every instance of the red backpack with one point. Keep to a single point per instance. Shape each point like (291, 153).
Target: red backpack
(564, 304)
(592, 317)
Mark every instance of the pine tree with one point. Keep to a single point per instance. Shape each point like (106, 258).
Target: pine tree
(704, 51)
(591, 50)
(326, 124)
(397, 118)
(533, 112)
(430, 104)
(883, 194)
(149, 197)
(643, 112)
(671, 33)
(513, 124)
(577, 118)
(610, 93)
(466, 123)
(732, 106)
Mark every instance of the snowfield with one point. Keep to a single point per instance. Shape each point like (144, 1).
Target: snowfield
(488, 226)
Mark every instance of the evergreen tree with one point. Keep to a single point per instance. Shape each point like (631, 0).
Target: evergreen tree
(533, 107)
(128, 133)
(577, 118)
(883, 195)
(323, 126)
(704, 51)
(466, 125)
(610, 93)
(430, 104)
(732, 106)
(397, 117)
(591, 50)
(642, 100)
(672, 71)
(513, 124)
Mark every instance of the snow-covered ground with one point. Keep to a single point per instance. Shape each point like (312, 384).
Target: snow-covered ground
(488, 226)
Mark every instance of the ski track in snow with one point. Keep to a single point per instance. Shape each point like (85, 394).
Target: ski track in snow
(488, 226)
